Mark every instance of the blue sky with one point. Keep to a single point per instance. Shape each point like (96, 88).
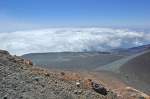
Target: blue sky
(36, 16)
(27, 14)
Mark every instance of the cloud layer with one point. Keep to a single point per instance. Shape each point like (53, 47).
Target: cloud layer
(70, 39)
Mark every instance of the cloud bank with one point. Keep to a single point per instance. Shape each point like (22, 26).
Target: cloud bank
(71, 39)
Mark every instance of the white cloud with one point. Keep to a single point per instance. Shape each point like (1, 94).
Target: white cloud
(70, 39)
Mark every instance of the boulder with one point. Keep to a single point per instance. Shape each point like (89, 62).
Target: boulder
(99, 88)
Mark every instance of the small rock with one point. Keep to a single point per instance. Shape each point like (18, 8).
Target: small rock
(133, 95)
(5, 97)
(75, 91)
(43, 85)
(78, 92)
(141, 97)
(28, 62)
(78, 84)
(36, 79)
(62, 73)
(47, 74)
(21, 97)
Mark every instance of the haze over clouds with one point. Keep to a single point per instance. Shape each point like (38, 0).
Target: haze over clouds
(70, 39)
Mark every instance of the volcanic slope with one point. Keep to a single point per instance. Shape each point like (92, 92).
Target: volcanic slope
(135, 70)
(72, 60)
(19, 79)
(131, 51)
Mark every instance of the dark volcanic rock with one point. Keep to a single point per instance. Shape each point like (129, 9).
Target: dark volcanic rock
(99, 88)
(4, 52)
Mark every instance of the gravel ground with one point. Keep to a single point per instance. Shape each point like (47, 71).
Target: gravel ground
(20, 80)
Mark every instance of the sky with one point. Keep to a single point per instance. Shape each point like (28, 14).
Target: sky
(29, 14)
(73, 25)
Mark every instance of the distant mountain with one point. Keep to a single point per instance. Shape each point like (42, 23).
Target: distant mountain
(72, 60)
(131, 51)
(85, 60)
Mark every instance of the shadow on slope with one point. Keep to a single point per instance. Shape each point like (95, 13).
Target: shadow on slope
(134, 70)
(131, 51)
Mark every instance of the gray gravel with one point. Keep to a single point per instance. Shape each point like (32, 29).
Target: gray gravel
(17, 81)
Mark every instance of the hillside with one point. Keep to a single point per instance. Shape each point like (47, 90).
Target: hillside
(131, 51)
(138, 69)
(139, 66)
(19, 79)
(133, 69)
(72, 60)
